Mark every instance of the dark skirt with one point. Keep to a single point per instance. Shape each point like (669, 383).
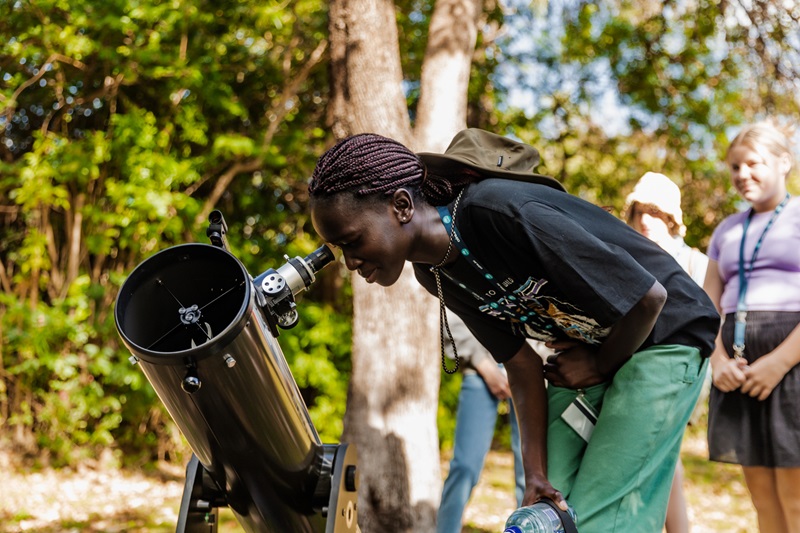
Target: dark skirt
(743, 430)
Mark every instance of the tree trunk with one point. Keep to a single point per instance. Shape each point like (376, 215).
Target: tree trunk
(392, 405)
(442, 107)
(393, 397)
(366, 90)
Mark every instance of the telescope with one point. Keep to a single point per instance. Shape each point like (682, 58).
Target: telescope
(204, 333)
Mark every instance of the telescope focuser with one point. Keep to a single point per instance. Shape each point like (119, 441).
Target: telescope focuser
(276, 288)
(279, 287)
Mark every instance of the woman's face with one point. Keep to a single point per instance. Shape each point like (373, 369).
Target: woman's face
(758, 175)
(650, 222)
(370, 234)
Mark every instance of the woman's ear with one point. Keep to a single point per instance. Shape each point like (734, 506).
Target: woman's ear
(403, 205)
(785, 165)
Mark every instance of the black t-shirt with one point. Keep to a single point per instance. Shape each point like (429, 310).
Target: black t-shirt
(563, 268)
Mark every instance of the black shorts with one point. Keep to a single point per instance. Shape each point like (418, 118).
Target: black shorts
(744, 430)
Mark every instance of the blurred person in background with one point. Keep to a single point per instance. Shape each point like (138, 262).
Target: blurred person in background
(484, 385)
(653, 209)
(754, 280)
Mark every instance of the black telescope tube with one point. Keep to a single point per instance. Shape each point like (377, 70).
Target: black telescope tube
(190, 311)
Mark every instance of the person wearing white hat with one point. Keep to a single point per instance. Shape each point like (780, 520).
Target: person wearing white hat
(653, 209)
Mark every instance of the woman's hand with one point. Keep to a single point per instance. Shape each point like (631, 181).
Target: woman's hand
(579, 365)
(573, 366)
(537, 488)
(495, 378)
(763, 375)
(726, 373)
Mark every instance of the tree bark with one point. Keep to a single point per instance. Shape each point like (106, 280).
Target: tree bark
(442, 107)
(393, 396)
(366, 77)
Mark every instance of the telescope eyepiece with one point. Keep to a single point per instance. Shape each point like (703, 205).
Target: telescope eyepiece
(279, 287)
(319, 258)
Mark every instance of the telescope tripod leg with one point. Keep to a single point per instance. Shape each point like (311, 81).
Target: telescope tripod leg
(199, 512)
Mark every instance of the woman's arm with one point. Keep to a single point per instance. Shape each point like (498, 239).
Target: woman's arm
(578, 365)
(530, 402)
(628, 334)
(726, 373)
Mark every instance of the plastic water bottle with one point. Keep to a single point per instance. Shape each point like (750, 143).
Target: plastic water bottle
(537, 518)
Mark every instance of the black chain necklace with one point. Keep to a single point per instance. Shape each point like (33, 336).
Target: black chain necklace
(443, 324)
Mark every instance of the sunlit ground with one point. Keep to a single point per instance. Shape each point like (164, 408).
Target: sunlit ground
(97, 500)
(717, 497)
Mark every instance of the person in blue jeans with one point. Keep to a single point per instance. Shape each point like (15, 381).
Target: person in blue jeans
(484, 385)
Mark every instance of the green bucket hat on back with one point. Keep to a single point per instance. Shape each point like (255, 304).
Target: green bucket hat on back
(492, 155)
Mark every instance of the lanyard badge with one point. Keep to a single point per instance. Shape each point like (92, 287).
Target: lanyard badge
(744, 278)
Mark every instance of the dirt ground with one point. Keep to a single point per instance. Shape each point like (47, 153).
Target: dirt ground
(103, 499)
(87, 499)
(718, 501)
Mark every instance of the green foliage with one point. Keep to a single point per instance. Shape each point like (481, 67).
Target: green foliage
(449, 388)
(318, 351)
(117, 121)
(616, 89)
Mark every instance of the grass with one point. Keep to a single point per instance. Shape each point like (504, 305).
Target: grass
(108, 500)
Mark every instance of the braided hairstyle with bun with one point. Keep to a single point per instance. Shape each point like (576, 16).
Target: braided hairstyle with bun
(368, 164)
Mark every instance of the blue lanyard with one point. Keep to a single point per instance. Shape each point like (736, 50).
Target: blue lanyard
(508, 305)
(447, 220)
(744, 276)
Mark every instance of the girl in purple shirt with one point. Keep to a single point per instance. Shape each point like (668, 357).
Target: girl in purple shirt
(754, 279)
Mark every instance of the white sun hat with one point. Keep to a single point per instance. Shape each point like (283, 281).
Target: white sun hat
(658, 191)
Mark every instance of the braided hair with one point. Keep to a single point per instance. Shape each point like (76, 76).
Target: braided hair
(368, 164)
